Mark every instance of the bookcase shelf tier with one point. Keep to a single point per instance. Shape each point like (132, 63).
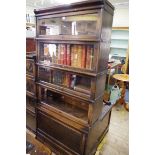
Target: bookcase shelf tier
(73, 45)
(79, 85)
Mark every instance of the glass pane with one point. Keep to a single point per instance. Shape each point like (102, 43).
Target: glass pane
(74, 107)
(70, 25)
(44, 74)
(79, 56)
(69, 80)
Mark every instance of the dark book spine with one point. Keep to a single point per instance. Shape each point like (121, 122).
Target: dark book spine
(54, 77)
(64, 79)
(60, 78)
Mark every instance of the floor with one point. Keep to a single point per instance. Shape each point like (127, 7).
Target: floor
(39, 149)
(116, 142)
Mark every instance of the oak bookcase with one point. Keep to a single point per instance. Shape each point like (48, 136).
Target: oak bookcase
(73, 45)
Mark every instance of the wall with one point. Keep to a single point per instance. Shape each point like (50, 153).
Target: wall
(121, 17)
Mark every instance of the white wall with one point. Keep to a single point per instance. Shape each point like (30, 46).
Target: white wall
(30, 10)
(121, 17)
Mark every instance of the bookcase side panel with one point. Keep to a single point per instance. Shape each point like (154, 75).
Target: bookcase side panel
(105, 41)
(95, 110)
(100, 85)
(96, 133)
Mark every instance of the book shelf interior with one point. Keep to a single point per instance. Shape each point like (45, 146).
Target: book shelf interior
(70, 25)
(80, 56)
(65, 104)
(69, 80)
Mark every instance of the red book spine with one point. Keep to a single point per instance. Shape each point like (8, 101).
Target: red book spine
(88, 57)
(65, 55)
(83, 63)
(59, 53)
(68, 55)
(75, 58)
(79, 56)
(72, 56)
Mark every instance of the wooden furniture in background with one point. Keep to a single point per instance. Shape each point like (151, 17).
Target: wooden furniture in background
(115, 65)
(31, 91)
(30, 45)
(73, 44)
(123, 79)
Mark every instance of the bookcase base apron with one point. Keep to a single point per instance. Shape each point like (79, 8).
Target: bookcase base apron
(64, 139)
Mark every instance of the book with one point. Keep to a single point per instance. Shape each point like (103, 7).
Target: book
(83, 59)
(60, 77)
(89, 57)
(64, 54)
(46, 50)
(46, 54)
(68, 55)
(74, 56)
(59, 52)
(54, 77)
(82, 89)
(79, 56)
(52, 52)
(64, 79)
(68, 80)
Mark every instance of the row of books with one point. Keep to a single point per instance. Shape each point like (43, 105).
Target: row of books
(80, 56)
(68, 80)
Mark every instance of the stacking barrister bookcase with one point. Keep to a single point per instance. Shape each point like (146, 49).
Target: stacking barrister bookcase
(73, 44)
(31, 91)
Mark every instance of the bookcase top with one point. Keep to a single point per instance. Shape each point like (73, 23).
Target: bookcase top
(83, 5)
